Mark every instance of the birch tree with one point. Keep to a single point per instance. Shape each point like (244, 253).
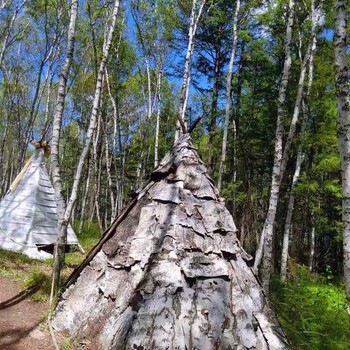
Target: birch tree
(149, 17)
(55, 166)
(300, 153)
(343, 128)
(64, 213)
(48, 55)
(186, 76)
(228, 97)
(8, 31)
(265, 244)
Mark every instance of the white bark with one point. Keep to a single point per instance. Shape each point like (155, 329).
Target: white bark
(186, 77)
(267, 263)
(300, 155)
(159, 96)
(228, 97)
(312, 247)
(97, 171)
(265, 244)
(288, 224)
(64, 213)
(55, 167)
(94, 113)
(115, 111)
(109, 178)
(115, 135)
(83, 205)
(343, 127)
(9, 29)
(149, 91)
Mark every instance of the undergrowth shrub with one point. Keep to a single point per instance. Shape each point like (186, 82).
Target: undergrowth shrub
(312, 311)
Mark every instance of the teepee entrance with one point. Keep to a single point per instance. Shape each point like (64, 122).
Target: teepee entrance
(28, 212)
(170, 273)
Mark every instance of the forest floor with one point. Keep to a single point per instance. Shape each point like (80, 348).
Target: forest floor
(24, 302)
(22, 320)
(24, 297)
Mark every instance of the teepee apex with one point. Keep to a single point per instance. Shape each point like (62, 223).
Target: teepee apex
(170, 272)
(28, 212)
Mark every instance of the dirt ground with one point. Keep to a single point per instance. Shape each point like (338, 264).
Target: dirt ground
(22, 321)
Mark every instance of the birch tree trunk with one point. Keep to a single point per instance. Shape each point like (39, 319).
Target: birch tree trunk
(267, 249)
(288, 224)
(228, 96)
(265, 245)
(97, 171)
(159, 96)
(94, 113)
(109, 179)
(186, 77)
(300, 154)
(64, 214)
(55, 167)
(9, 29)
(48, 55)
(312, 244)
(149, 91)
(343, 128)
(83, 205)
(146, 59)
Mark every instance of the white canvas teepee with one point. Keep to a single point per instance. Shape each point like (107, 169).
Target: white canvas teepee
(28, 212)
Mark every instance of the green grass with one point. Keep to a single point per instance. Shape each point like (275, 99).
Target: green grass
(66, 344)
(41, 281)
(312, 312)
(31, 273)
(88, 237)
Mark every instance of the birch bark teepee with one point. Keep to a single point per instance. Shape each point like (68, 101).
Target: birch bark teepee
(170, 273)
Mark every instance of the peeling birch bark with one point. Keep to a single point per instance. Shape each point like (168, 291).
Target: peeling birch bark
(169, 273)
